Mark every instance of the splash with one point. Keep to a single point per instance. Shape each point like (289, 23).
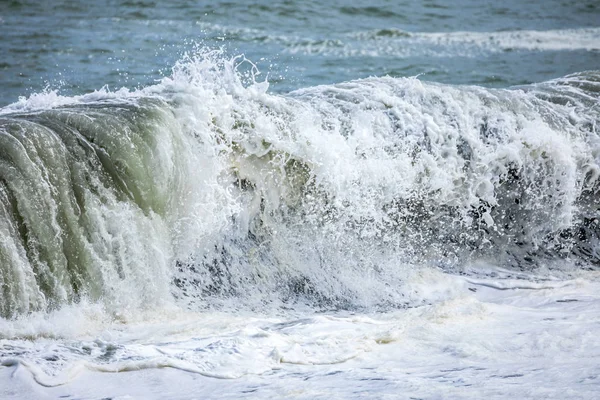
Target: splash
(208, 191)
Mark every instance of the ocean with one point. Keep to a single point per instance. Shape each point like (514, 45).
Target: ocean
(231, 199)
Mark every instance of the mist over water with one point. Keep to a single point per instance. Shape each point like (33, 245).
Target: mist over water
(273, 191)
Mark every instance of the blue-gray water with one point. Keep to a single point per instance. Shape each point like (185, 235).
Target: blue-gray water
(430, 231)
(79, 46)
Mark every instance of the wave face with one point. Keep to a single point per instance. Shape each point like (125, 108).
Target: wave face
(207, 188)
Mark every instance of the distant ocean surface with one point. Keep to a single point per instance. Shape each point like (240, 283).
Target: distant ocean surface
(78, 46)
(299, 199)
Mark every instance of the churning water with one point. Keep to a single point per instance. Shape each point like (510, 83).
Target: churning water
(309, 219)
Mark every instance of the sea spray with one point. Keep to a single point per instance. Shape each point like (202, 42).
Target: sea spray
(207, 189)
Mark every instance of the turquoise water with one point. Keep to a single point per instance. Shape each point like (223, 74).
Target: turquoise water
(79, 46)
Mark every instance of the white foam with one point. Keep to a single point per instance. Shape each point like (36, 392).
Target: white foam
(334, 174)
(396, 43)
(317, 228)
(489, 342)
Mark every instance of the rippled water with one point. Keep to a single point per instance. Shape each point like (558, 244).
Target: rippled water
(79, 46)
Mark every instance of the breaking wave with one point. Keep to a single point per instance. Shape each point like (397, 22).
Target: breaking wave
(206, 188)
